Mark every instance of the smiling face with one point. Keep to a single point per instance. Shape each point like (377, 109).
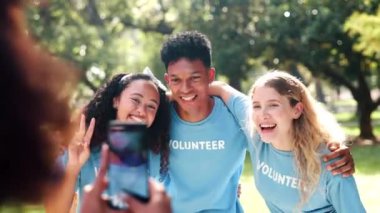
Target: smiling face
(189, 81)
(273, 116)
(138, 102)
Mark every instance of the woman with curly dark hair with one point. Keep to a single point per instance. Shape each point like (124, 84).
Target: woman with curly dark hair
(126, 97)
(34, 113)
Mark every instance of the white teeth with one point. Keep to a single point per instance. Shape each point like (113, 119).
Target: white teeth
(267, 125)
(188, 98)
(137, 119)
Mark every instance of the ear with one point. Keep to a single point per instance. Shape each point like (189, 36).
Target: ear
(166, 77)
(298, 110)
(211, 75)
(116, 101)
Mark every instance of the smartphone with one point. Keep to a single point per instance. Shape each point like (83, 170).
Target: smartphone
(128, 163)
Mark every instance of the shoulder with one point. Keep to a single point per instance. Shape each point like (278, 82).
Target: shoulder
(238, 98)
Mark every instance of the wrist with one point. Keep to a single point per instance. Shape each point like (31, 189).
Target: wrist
(72, 170)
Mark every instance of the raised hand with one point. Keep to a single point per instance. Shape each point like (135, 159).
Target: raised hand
(159, 201)
(345, 165)
(93, 200)
(79, 147)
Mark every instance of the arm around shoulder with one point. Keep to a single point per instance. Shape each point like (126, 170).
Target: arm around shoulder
(223, 90)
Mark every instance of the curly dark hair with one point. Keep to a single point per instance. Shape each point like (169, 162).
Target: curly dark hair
(35, 107)
(189, 44)
(101, 108)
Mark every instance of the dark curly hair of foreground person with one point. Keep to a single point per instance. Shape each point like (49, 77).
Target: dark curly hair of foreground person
(34, 110)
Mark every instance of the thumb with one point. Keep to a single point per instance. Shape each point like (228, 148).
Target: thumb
(134, 204)
(333, 146)
(155, 187)
(100, 181)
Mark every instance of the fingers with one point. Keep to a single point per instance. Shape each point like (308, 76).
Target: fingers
(155, 190)
(82, 136)
(337, 164)
(342, 151)
(332, 146)
(100, 182)
(346, 170)
(104, 163)
(155, 187)
(90, 131)
(134, 204)
(344, 165)
(82, 125)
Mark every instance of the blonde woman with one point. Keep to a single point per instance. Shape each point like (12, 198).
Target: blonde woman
(290, 137)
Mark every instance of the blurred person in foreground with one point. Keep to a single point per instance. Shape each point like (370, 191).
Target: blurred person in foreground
(35, 117)
(35, 111)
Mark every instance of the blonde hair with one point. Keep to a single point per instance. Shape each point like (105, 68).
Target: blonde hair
(314, 127)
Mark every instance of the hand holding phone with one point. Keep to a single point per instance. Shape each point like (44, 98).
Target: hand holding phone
(94, 202)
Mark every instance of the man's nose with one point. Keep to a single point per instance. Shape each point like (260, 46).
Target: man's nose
(185, 87)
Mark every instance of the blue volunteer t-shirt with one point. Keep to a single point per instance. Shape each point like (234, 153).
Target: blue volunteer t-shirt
(206, 159)
(276, 180)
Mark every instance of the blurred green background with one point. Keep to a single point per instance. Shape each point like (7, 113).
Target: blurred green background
(332, 46)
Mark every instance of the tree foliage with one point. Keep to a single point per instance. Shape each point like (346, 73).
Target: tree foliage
(336, 40)
(311, 33)
(365, 27)
(101, 37)
(227, 23)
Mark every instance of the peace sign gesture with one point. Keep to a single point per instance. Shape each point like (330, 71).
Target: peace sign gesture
(79, 148)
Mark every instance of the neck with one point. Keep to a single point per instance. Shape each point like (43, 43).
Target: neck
(283, 144)
(196, 114)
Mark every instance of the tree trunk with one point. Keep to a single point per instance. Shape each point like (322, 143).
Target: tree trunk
(319, 91)
(365, 124)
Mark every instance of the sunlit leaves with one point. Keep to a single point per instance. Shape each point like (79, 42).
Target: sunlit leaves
(367, 28)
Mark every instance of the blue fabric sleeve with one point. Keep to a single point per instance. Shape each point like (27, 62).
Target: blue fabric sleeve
(240, 108)
(343, 194)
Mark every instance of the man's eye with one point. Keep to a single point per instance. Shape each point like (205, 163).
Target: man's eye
(175, 80)
(195, 78)
(256, 107)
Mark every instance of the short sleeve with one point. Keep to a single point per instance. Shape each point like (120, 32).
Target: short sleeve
(240, 108)
(343, 194)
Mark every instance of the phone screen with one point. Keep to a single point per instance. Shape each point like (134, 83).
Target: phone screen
(128, 164)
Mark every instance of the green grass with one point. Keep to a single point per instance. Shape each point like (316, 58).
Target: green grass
(367, 175)
(20, 208)
(349, 122)
(345, 102)
(344, 117)
(354, 130)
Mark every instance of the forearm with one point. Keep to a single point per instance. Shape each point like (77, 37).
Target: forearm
(223, 90)
(61, 196)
